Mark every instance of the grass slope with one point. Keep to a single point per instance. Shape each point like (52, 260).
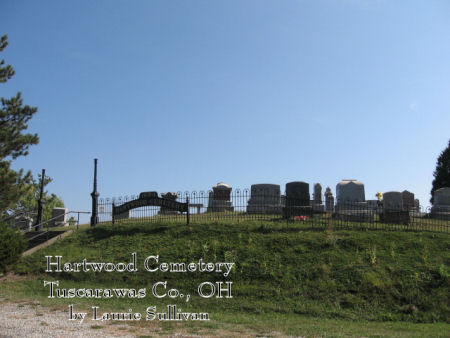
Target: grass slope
(281, 270)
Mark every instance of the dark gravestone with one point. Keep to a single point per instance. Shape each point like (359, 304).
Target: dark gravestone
(222, 192)
(297, 194)
(393, 208)
(408, 200)
(297, 200)
(329, 200)
(172, 196)
(220, 198)
(148, 194)
(317, 204)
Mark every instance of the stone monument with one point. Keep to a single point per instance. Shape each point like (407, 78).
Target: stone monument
(264, 199)
(59, 217)
(297, 200)
(329, 200)
(23, 222)
(169, 196)
(351, 202)
(393, 208)
(408, 200)
(417, 204)
(441, 204)
(220, 198)
(317, 202)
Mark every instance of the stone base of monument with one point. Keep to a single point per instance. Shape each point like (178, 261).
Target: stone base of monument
(219, 206)
(60, 224)
(395, 217)
(440, 215)
(354, 215)
(318, 208)
(297, 211)
(354, 212)
(264, 209)
(440, 212)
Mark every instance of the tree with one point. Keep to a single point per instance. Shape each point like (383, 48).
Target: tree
(28, 202)
(12, 244)
(72, 221)
(14, 117)
(442, 172)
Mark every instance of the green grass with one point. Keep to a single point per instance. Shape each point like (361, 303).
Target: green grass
(317, 221)
(288, 277)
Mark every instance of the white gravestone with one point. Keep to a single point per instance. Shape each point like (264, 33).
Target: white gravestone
(351, 202)
(441, 204)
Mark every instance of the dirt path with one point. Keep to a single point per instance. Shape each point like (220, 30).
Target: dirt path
(33, 320)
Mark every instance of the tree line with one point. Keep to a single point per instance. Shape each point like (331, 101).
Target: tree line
(19, 190)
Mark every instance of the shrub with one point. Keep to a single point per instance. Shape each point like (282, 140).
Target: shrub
(12, 244)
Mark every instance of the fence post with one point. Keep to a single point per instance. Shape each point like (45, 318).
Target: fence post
(187, 214)
(113, 206)
(94, 194)
(40, 202)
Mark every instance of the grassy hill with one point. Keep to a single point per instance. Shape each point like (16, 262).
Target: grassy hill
(280, 269)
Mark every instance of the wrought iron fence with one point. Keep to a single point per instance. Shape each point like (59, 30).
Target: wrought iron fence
(241, 205)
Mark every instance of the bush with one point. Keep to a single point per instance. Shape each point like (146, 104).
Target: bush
(12, 244)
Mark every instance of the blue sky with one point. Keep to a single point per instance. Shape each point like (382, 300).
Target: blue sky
(180, 95)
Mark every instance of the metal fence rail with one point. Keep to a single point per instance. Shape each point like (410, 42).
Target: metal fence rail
(241, 206)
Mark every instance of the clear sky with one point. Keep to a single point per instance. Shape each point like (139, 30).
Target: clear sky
(180, 95)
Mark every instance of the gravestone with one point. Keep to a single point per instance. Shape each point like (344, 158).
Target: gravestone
(297, 194)
(351, 202)
(393, 208)
(408, 200)
(372, 204)
(297, 200)
(441, 204)
(317, 202)
(264, 199)
(417, 204)
(59, 217)
(23, 222)
(220, 198)
(350, 191)
(329, 200)
(392, 201)
(172, 196)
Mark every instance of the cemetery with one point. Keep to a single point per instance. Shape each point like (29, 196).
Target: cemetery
(264, 201)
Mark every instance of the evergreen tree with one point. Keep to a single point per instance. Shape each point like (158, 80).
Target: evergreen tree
(14, 117)
(442, 172)
(28, 202)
